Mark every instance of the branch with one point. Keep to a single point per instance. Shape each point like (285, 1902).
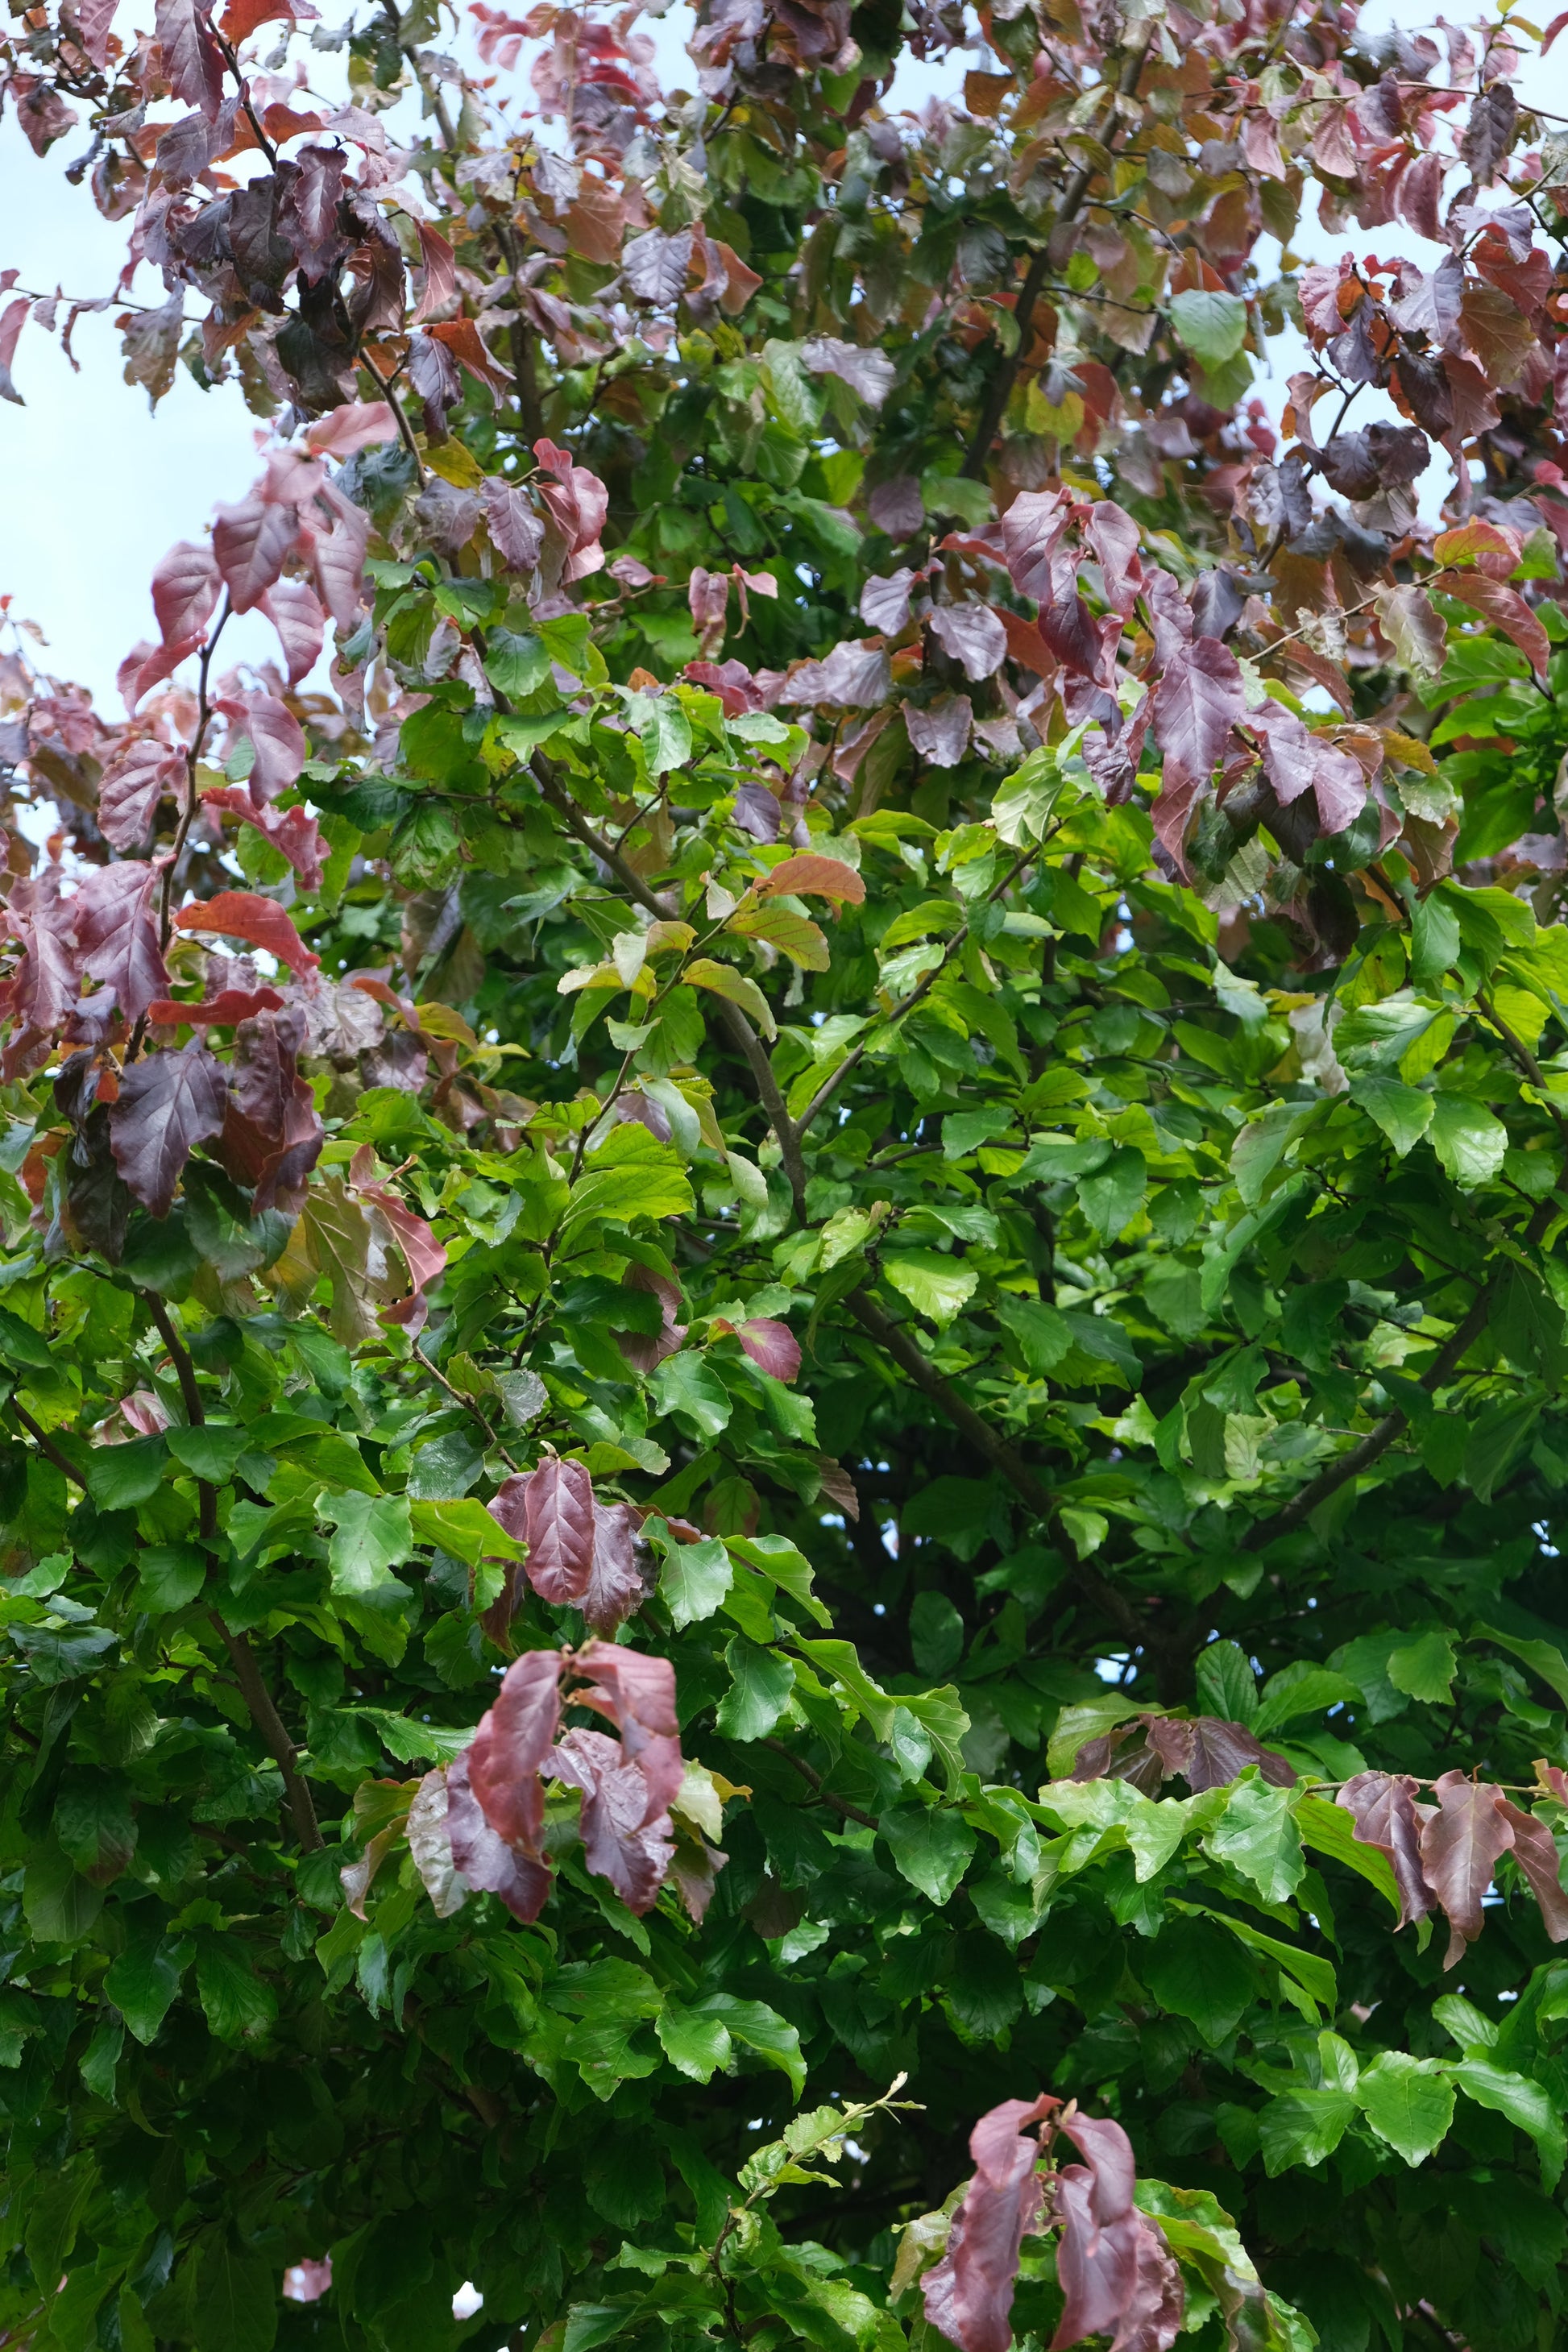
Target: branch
(1004, 1457)
(740, 1030)
(271, 1724)
(808, 1772)
(47, 1446)
(248, 1673)
(994, 407)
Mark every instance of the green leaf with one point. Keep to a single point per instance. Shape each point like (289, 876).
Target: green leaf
(1194, 1970)
(696, 2041)
(932, 1848)
(1257, 1835)
(1212, 327)
(1403, 1112)
(209, 1452)
(59, 1904)
(1112, 1198)
(1469, 1140)
(235, 2307)
(143, 1983)
(762, 2030)
(120, 1477)
(695, 1579)
(20, 1344)
(465, 1528)
(1423, 1668)
(372, 1535)
(664, 729)
(239, 2003)
(723, 980)
(1300, 1689)
(687, 1386)
(1226, 1682)
(760, 1684)
(172, 1577)
(1303, 2127)
(1408, 2102)
(1524, 2102)
(934, 1285)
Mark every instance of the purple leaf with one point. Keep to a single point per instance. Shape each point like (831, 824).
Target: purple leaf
(250, 543)
(551, 1509)
(168, 1103)
(625, 1828)
(869, 373)
(1033, 530)
(1113, 2266)
(637, 1695)
(516, 533)
(295, 611)
(486, 1861)
(657, 266)
(1382, 1806)
(939, 733)
(771, 1345)
(969, 2295)
(1195, 704)
(616, 1586)
(1535, 1851)
(971, 635)
(1461, 1838)
(885, 603)
(508, 1751)
(134, 781)
(185, 590)
(117, 938)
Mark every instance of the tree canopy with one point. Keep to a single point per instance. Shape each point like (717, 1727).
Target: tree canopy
(781, 1305)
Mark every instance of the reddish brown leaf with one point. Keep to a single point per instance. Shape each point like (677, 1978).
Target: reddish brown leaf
(185, 590)
(1113, 2266)
(261, 923)
(12, 321)
(1505, 607)
(485, 1859)
(771, 1345)
(293, 832)
(117, 938)
(1296, 761)
(969, 2294)
(551, 1510)
(1209, 1753)
(1195, 706)
(168, 1103)
(1382, 1806)
(814, 877)
(423, 1254)
(358, 424)
(1535, 1851)
(637, 1695)
(616, 1586)
(272, 1135)
(251, 542)
(461, 338)
(625, 1828)
(193, 61)
(133, 784)
(1460, 1843)
(508, 1750)
(227, 1010)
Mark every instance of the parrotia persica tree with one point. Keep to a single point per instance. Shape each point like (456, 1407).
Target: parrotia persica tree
(782, 1326)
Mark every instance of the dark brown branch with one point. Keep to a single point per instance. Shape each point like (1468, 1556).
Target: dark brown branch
(1002, 1457)
(47, 1446)
(740, 1031)
(274, 1732)
(994, 407)
(248, 1673)
(808, 1772)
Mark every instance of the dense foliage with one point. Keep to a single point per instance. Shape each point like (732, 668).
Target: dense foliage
(782, 1326)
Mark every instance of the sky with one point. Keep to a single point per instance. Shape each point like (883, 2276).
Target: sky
(97, 486)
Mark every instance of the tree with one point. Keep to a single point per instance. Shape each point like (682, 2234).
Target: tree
(782, 1332)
